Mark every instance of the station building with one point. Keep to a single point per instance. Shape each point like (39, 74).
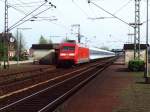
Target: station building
(44, 53)
(129, 52)
(11, 42)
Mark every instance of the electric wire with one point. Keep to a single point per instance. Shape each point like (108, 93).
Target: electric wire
(26, 6)
(92, 10)
(22, 3)
(111, 14)
(19, 10)
(62, 19)
(29, 3)
(29, 18)
(122, 7)
(118, 10)
(81, 9)
(27, 15)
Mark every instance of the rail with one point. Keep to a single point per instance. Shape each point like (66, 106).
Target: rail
(43, 101)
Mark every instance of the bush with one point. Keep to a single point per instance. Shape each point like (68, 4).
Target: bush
(136, 65)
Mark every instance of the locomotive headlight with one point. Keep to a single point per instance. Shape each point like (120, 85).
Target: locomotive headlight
(71, 54)
(62, 54)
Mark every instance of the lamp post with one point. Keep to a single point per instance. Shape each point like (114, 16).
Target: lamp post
(18, 43)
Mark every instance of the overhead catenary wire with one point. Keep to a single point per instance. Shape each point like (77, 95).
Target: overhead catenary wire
(110, 13)
(26, 6)
(15, 24)
(122, 7)
(92, 10)
(22, 3)
(29, 18)
(19, 10)
(23, 12)
(81, 9)
(29, 3)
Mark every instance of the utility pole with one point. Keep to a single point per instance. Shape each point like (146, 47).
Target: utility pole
(79, 36)
(147, 78)
(137, 25)
(6, 38)
(19, 43)
(17, 47)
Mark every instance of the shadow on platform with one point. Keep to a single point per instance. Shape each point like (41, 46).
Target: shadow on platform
(123, 70)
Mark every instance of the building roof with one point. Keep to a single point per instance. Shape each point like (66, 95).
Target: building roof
(117, 50)
(131, 46)
(44, 46)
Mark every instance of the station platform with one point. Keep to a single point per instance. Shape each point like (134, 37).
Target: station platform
(102, 93)
(19, 62)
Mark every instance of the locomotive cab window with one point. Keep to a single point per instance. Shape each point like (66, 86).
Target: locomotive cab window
(66, 48)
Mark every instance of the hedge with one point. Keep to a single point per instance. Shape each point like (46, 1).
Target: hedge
(136, 65)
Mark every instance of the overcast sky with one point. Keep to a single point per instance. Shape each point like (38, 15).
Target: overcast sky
(108, 32)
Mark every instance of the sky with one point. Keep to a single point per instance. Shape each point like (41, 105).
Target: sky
(56, 23)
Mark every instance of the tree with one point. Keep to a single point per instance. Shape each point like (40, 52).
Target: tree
(20, 41)
(42, 40)
(50, 41)
(19, 45)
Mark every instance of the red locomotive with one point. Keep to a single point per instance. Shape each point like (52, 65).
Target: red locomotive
(72, 53)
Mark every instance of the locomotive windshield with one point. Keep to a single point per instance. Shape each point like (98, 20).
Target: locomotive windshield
(66, 48)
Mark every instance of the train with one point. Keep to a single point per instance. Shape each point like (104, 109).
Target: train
(72, 53)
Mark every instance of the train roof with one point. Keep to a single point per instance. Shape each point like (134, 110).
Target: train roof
(74, 43)
(98, 49)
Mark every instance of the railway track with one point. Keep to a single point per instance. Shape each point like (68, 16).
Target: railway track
(11, 77)
(21, 80)
(55, 93)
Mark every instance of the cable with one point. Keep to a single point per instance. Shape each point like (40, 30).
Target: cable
(22, 3)
(92, 10)
(27, 15)
(29, 19)
(145, 22)
(110, 13)
(80, 9)
(118, 10)
(29, 3)
(21, 11)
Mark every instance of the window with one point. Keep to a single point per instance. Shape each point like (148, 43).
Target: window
(66, 48)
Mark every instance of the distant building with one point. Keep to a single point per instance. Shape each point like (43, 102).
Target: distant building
(118, 52)
(11, 42)
(129, 52)
(44, 53)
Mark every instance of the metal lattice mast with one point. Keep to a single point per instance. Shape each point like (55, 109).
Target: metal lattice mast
(5, 40)
(79, 36)
(137, 30)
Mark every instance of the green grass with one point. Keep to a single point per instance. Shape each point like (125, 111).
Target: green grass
(136, 97)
